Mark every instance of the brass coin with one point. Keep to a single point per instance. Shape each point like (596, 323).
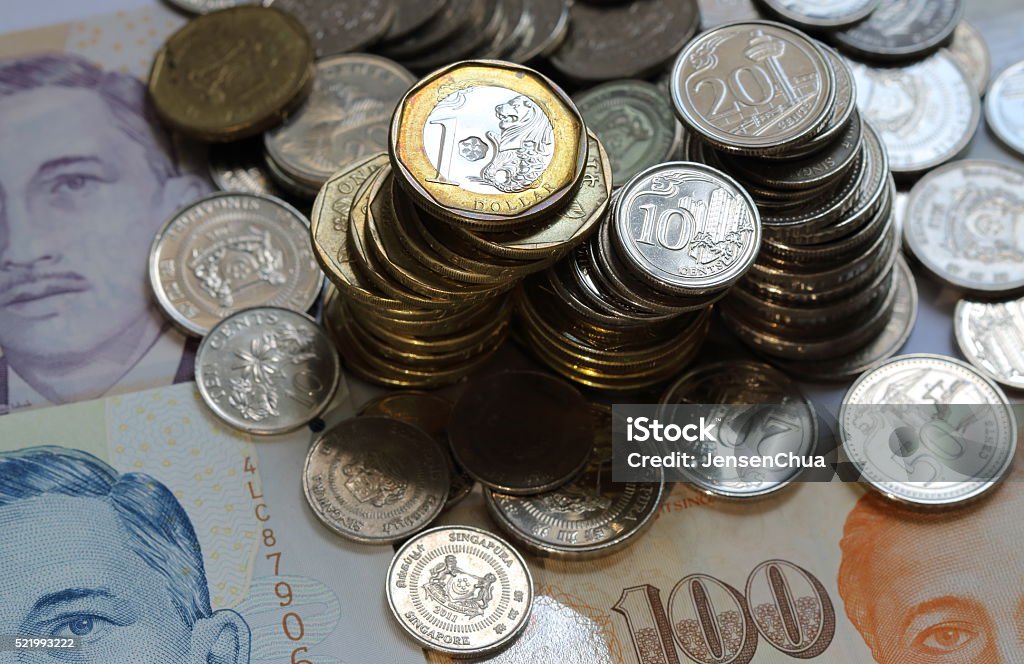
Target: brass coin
(232, 74)
(487, 142)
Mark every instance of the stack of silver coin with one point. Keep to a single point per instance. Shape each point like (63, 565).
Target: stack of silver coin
(630, 307)
(828, 279)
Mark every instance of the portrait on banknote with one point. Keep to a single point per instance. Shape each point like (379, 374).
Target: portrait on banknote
(110, 559)
(96, 176)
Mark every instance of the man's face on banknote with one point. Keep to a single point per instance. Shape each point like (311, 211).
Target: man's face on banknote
(80, 201)
(75, 573)
(932, 589)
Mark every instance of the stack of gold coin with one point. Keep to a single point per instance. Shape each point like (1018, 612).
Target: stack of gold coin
(491, 176)
(630, 308)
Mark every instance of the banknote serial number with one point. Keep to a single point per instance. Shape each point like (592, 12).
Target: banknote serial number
(9, 643)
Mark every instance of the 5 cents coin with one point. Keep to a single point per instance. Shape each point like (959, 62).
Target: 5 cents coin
(1004, 107)
(267, 370)
(991, 337)
(375, 479)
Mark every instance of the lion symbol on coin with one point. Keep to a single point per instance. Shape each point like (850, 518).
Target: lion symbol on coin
(522, 150)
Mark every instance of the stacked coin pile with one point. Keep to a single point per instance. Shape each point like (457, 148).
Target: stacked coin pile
(491, 176)
(825, 285)
(630, 307)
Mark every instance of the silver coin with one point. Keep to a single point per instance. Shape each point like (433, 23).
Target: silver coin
(926, 113)
(543, 27)
(207, 6)
(241, 168)
(777, 419)
(970, 50)
(928, 430)
(901, 30)
(431, 413)
(1004, 107)
(267, 370)
(521, 432)
(899, 210)
(410, 15)
(589, 516)
(345, 119)
(753, 87)
(991, 337)
(820, 14)
(340, 26)
(965, 224)
(687, 228)
(232, 251)
(460, 590)
(375, 479)
(714, 13)
(635, 124)
(881, 348)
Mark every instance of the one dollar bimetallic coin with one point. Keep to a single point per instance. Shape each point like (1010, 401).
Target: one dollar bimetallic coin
(488, 144)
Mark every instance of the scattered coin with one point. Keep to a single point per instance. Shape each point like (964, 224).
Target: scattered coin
(239, 167)
(543, 27)
(411, 15)
(207, 6)
(460, 590)
(628, 40)
(344, 120)
(778, 420)
(1004, 107)
(431, 413)
(926, 113)
(488, 144)
(340, 26)
(375, 479)
(228, 252)
(589, 516)
(714, 13)
(267, 370)
(963, 223)
(231, 74)
(970, 50)
(672, 214)
(794, 80)
(898, 31)
(635, 123)
(521, 432)
(818, 15)
(914, 452)
(991, 337)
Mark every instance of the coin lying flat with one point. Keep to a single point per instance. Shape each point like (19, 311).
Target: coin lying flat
(231, 74)
(589, 516)
(207, 6)
(628, 40)
(375, 479)
(460, 590)
(926, 113)
(430, 413)
(899, 31)
(340, 26)
(488, 144)
(970, 50)
(687, 228)
(267, 370)
(228, 252)
(344, 120)
(726, 78)
(928, 430)
(521, 432)
(410, 15)
(543, 27)
(1004, 107)
(817, 15)
(634, 122)
(963, 223)
(777, 419)
(714, 13)
(991, 337)
(239, 167)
